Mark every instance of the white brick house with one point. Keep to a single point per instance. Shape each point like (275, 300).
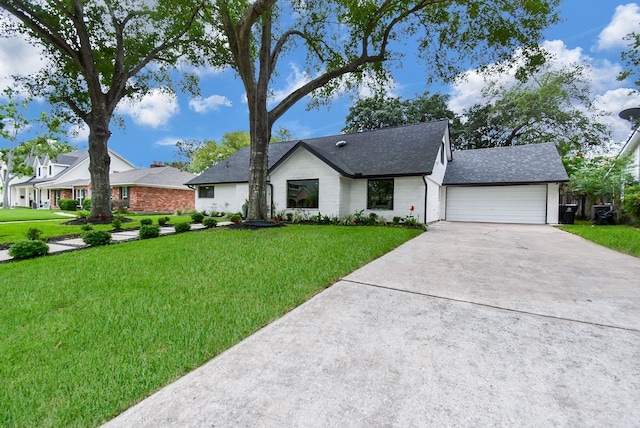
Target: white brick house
(389, 171)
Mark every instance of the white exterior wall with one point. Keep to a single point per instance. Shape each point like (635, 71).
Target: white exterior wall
(303, 165)
(407, 191)
(233, 194)
(553, 200)
(345, 194)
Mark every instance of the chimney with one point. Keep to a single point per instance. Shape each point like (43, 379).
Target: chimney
(157, 164)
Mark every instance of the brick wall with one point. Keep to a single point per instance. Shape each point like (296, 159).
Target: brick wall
(152, 199)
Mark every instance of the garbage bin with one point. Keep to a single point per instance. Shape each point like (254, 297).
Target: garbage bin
(569, 214)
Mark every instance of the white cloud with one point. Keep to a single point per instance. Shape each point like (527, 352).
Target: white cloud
(154, 109)
(613, 102)
(18, 57)
(295, 80)
(626, 19)
(609, 94)
(168, 141)
(203, 105)
(79, 133)
(467, 89)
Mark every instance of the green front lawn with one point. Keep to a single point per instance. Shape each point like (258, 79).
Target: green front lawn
(28, 214)
(12, 232)
(87, 334)
(625, 239)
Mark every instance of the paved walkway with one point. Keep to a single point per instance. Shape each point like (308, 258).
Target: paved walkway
(466, 325)
(63, 245)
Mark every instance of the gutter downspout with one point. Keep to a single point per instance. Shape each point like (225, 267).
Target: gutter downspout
(271, 205)
(426, 194)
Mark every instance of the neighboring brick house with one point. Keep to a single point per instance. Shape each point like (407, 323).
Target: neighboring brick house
(155, 189)
(67, 176)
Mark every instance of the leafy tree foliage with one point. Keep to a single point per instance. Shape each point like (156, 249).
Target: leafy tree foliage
(631, 57)
(346, 41)
(600, 179)
(381, 111)
(555, 107)
(99, 52)
(196, 156)
(13, 121)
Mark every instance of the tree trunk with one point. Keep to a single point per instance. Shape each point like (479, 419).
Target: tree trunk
(99, 165)
(260, 128)
(258, 167)
(5, 189)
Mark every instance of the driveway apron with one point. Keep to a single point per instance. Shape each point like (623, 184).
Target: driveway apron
(465, 325)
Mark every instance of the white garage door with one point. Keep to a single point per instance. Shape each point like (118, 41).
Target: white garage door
(498, 204)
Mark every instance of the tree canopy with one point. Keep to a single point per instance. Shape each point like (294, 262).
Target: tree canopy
(381, 111)
(13, 122)
(631, 57)
(601, 179)
(196, 156)
(555, 106)
(99, 52)
(346, 42)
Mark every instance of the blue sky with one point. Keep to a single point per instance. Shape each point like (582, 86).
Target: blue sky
(591, 34)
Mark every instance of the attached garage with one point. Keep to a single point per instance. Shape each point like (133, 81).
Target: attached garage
(518, 184)
(497, 204)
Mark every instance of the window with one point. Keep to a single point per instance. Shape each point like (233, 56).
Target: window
(124, 193)
(50, 170)
(205, 192)
(39, 172)
(442, 154)
(303, 193)
(380, 194)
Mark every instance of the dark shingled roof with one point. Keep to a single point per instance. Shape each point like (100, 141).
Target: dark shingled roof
(533, 163)
(165, 176)
(399, 151)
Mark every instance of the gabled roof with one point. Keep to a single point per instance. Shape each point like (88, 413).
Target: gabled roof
(398, 151)
(70, 159)
(165, 176)
(532, 163)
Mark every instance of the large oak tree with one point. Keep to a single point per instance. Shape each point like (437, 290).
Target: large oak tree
(553, 106)
(346, 41)
(99, 52)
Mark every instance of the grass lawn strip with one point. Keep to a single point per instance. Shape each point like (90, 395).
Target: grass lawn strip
(28, 214)
(12, 232)
(90, 333)
(625, 239)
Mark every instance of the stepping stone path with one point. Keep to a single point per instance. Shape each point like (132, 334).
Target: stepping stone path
(75, 243)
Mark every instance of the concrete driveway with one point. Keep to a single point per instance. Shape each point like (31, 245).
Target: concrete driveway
(466, 325)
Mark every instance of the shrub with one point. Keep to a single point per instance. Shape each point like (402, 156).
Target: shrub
(28, 248)
(236, 218)
(86, 205)
(197, 217)
(289, 217)
(67, 204)
(95, 238)
(182, 226)
(631, 204)
(86, 227)
(162, 221)
(33, 233)
(83, 214)
(146, 222)
(209, 222)
(397, 220)
(149, 231)
(116, 223)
